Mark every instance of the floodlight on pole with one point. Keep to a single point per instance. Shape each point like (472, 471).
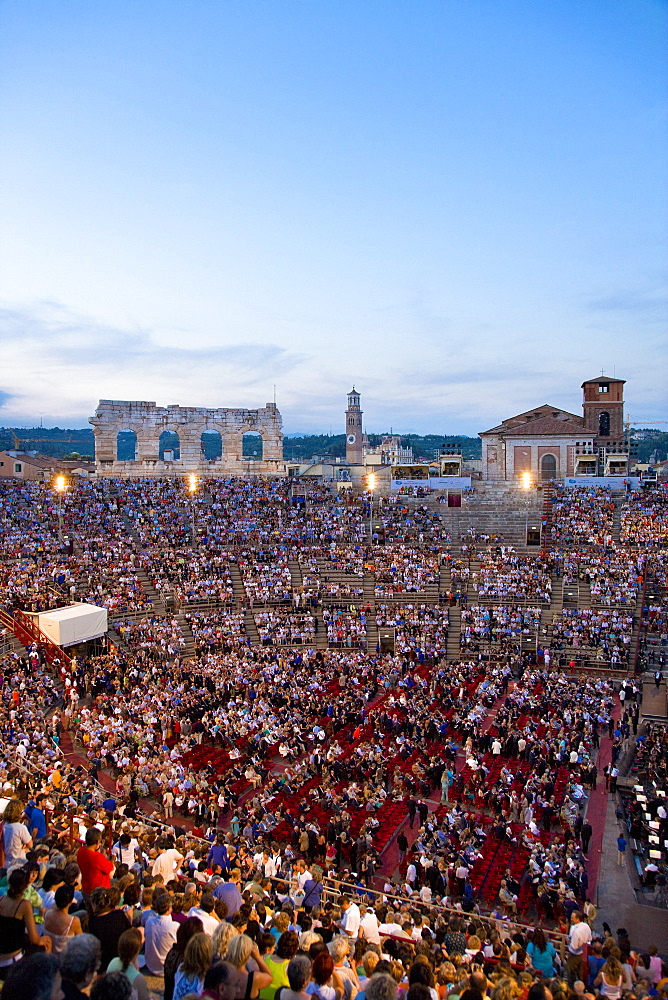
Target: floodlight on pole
(60, 486)
(192, 489)
(371, 483)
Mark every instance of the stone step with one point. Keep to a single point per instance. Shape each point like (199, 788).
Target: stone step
(251, 628)
(116, 639)
(321, 629)
(295, 574)
(189, 650)
(454, 634)
(237, 585)
(156, 598)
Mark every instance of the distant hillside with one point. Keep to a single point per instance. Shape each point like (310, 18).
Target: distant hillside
(301, 447)
(651, 444)
(53, 441)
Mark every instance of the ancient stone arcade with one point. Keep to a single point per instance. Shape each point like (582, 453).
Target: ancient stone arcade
(115, 420)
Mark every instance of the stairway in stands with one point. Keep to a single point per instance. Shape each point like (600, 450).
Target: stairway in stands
(454, 634)
(296, 579)
(321, 633)
(251, 628)
(548, 611)
(617, 517)
(189, 650)
(117, 640)
(237, 586)
(131, 530)
(444, 577)
(155, 596)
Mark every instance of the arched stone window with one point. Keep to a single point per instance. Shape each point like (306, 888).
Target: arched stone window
(169, 446)
(126, 446)
(604, 424)
(548, 467)
(212, 445)
(252, 446)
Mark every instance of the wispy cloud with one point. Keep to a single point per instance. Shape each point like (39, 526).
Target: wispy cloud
(73, 361)
(637, 303)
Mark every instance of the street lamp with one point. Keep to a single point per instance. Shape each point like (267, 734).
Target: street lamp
(371, 483)
(60, 485)
(192, 489)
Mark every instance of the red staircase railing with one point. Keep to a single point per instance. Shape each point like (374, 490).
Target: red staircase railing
(25, 630)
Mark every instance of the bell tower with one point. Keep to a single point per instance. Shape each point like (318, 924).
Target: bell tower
(603, 406)
(354, 443)
(603, 411)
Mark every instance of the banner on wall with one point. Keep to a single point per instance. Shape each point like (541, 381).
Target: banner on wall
(435, 483)
(614, 482)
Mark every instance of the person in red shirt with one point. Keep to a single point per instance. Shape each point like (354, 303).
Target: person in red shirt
(95, 868)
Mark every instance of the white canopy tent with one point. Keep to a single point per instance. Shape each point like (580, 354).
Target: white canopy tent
(76, 623)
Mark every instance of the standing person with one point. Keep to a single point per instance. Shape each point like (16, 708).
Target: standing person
(160, 934)
(402, 847)
(350, 920)
(95, 868)
(167, 861)
(585, 834)
(579, 937)
(658, 677)
(15, 834)
(621, 849)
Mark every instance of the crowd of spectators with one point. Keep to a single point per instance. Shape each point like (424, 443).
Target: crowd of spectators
(606, 631)
(501, 626)
(294, 759)
(281, 629)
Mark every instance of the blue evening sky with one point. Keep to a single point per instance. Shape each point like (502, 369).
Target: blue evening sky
(458, 205)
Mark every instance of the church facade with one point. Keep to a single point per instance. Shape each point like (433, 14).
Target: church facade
(548, 442)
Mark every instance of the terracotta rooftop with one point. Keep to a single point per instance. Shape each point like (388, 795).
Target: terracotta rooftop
(542, 426)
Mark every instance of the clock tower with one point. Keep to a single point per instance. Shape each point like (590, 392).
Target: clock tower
(354, 436)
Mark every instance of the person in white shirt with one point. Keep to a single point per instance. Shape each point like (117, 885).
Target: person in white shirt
(350, 919)
(303, 875)
(124, 850)
(368, 925)
(205, 913)
(166, 862)
(578, 936)
(391, 927)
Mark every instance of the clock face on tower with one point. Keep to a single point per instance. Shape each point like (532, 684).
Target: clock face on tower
(351, 439)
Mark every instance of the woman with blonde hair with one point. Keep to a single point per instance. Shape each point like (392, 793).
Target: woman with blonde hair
(239, 950)
(506, 989)
(221, 938)
(610, 978)
(194, 967)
